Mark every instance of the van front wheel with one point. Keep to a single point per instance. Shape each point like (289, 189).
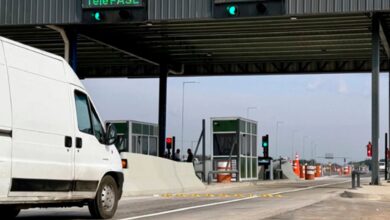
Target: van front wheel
(9, 212)
(106, 201)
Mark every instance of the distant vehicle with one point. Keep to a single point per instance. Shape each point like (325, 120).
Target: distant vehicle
(382, 167)
(54, 150)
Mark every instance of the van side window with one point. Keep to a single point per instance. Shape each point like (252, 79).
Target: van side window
(83, 114)
(97, 126)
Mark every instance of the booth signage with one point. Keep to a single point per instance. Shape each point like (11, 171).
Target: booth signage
(112, 3)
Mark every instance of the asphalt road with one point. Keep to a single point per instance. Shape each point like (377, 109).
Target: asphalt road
(271, 200)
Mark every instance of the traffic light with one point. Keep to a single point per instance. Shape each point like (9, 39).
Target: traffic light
(169, 142)
(369, 149)
(97, 16)
(232, 10)
(265, 145)
(248, 8)
(265, 142)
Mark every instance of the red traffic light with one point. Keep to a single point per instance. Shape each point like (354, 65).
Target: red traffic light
(369, 149)
(169, 140)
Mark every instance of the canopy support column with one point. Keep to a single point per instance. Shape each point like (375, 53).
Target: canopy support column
(375, 179)
(162, 109)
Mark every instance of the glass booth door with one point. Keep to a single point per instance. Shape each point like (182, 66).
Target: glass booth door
(248, 157)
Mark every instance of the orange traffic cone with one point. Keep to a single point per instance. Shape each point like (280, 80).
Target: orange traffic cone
(297, 166)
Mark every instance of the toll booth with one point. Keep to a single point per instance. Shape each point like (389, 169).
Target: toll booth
(235, 139)
(137, 137)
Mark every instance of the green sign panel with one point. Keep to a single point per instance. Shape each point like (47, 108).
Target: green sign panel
(112, 3)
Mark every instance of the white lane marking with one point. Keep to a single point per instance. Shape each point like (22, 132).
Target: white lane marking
(230, 201)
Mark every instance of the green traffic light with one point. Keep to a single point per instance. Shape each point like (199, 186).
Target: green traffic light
(232, 10)
(265, 144)
(97, 16)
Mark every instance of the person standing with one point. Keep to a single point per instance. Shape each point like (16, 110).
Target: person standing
(176, 155)
(190, 156)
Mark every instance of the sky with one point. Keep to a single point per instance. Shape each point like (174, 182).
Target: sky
(325, 113)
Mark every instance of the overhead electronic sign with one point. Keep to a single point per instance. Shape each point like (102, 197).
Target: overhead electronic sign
(248, 8)
(112, 3)
(114, 11)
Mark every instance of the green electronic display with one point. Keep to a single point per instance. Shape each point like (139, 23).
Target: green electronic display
(112, 3)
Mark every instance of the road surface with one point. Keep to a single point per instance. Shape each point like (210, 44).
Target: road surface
(318, 199)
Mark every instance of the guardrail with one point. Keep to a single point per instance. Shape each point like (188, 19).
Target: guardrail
(209, 178)
(356, 175)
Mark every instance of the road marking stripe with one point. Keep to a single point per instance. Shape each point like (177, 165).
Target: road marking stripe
(227, 202)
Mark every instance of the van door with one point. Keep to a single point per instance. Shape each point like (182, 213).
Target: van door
(42, 135)
(92, 156)
(5, 128)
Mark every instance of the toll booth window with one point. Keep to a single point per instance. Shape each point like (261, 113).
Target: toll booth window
(135, 145)
(83, 114)
(153, 146)
(145, 144)
(254, 146)
(223, 144)
(248, 145)
(121, 144)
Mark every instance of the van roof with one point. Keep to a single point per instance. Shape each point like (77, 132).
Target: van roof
(71, 78)
(30, 48)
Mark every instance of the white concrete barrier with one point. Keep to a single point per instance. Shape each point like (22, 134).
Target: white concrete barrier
(288, 170)
(148, 175)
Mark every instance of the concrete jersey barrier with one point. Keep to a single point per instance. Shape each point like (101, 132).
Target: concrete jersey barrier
(148, 175)
(288, 171)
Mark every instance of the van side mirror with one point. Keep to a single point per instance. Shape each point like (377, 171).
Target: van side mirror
(111, 134)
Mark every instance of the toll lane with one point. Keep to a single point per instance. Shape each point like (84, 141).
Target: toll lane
(254, 201)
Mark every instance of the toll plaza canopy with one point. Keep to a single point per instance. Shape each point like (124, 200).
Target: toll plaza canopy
(131, 38)
(161, 38)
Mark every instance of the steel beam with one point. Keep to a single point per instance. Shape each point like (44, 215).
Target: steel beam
(162, 109)
(119, 49)
(375, 179)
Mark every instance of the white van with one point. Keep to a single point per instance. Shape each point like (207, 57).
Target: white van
(54, 150)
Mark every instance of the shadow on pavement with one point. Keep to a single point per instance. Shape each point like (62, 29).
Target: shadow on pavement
(57, 217)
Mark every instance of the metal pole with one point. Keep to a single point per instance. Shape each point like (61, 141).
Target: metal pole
(239, 151)
(173, 148)
(182, 118)
(303, 147)
(292, 144)
(277, 131)
(387, 147)
(204, 148)
(385, 156)
(65, 39)
(162, 109)
(182, 115)
(375, 180)
(311, 151)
